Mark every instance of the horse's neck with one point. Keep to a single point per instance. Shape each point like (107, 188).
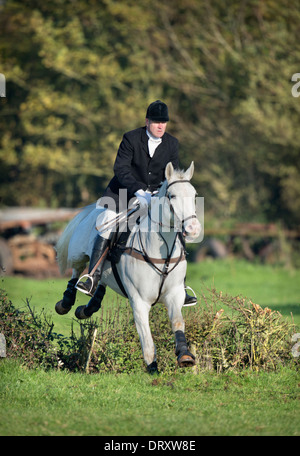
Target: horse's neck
(157, 239)
(157, 244)
(156, 235)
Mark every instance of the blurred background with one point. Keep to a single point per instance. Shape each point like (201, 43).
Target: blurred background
(80, 73)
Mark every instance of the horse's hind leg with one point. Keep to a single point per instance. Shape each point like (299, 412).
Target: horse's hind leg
(63, 306)
(94, 304)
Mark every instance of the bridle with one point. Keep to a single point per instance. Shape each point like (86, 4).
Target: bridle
(169, 197)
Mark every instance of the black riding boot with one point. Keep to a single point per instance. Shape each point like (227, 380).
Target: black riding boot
(89, 287)
(189, 300)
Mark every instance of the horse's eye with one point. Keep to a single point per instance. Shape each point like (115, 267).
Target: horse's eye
(172, 196)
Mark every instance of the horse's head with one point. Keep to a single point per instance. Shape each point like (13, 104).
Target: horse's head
(181, 196)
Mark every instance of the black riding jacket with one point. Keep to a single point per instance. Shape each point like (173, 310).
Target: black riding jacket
(134, 169)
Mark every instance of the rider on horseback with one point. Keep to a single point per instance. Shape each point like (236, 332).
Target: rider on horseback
(138, 171)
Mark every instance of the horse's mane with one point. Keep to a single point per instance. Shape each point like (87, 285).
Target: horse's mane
(178, 174)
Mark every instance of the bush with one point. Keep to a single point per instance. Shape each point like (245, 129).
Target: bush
(224, 333)
(30, 338)
(235, 333)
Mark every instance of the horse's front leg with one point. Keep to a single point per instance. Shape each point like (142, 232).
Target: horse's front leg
(174, 301)
(141, 311)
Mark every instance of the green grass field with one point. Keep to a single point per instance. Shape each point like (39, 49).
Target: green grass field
(180, 403)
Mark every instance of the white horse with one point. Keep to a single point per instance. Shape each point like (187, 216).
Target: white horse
(152, 266)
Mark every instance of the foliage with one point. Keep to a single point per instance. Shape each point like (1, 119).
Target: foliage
(235, 333)
(80, 73)
(29, 337)
(250, 337)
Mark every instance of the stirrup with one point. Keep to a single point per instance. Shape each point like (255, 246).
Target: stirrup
(195, 296)
(87, 292)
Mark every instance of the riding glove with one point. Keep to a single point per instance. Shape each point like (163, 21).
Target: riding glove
(143, 197)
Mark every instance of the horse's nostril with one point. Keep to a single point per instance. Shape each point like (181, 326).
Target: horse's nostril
(193, 228)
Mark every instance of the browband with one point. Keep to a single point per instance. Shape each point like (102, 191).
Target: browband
(177, 182)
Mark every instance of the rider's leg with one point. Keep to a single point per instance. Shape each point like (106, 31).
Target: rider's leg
(100, 246)
(100, 249)
(189, 300)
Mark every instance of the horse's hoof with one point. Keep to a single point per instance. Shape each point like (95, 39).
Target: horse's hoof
(79, 313)
(60, 309)
(186, 361)
(152, 368)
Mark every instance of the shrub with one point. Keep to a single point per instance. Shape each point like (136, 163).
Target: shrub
(234, 333)
(224, 333)
(29, 337)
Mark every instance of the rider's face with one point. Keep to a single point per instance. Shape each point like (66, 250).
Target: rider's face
(156, 129)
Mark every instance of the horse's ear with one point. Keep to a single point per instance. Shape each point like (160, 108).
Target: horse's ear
(169, 171)
(189, 172)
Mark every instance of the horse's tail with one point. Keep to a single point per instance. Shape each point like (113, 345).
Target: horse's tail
(64, 240)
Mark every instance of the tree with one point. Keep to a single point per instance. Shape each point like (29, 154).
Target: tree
(229, 70)
(80, 73)
(73, 89)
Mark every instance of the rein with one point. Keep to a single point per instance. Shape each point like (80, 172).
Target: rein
(166, 262)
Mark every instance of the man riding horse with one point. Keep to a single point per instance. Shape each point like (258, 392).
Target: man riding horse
(139, 170)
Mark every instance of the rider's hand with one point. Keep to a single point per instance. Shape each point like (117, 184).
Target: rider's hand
(143, 197)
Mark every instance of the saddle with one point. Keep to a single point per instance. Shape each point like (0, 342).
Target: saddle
(117, 246)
